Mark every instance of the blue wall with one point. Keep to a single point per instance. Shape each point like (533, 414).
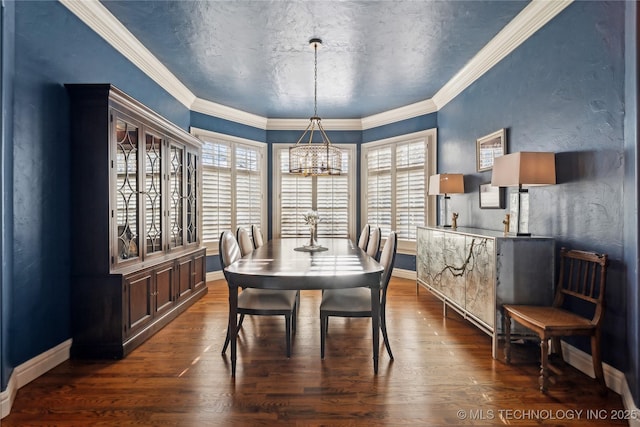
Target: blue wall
(214, 124)
(561, 91)
(7, 29)
(54, 47)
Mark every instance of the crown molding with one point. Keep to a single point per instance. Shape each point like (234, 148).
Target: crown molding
(327, 124)
(533, 17)
(397, 114)
(100, 20)
(228, 113)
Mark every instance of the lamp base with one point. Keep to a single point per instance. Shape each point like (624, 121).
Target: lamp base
(444, 212)
(519, 207)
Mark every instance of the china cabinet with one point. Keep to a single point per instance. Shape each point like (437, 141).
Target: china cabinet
(136, 223)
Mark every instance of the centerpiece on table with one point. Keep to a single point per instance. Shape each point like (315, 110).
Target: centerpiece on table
(312, 219)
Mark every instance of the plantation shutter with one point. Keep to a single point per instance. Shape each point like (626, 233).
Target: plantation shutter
(232, 186)
(410, 188)
(332, 202)
(216, 189)
(296, 198)
(379, 196)
(248, 189)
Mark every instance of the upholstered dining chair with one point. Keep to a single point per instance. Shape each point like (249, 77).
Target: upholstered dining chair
(356, 302)
(261, 302)
(373, 247)
(257, 236)
(363, 240)
(244, 240)
(582, 277)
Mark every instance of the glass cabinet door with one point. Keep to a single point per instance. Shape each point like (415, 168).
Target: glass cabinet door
(176, 196)
(192, 197)
(127, 214)
(153, 194)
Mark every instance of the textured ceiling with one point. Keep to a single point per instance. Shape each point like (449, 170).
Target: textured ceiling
(254, 55)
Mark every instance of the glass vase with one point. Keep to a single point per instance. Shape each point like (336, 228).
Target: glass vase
(313, 235)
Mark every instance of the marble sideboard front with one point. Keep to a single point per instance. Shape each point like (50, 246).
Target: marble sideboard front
(476, 271)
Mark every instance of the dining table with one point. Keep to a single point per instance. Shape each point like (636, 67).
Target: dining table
(286, 263)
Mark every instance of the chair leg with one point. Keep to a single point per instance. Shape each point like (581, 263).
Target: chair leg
(383, 326)
(226, 343)
(597, 362)
(228, 338)
(323, 333)
(544, 362)
(294, 318)
(556, 347)
(240, 322)
(287, 320)
(507, 337)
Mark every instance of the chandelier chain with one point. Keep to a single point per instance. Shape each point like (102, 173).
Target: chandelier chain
(315, 80)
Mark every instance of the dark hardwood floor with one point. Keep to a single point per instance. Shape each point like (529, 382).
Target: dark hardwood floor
(443, 374)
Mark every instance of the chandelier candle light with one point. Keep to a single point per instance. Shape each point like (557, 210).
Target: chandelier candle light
(309, 158)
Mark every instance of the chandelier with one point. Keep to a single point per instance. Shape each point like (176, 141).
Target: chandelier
(309, 158)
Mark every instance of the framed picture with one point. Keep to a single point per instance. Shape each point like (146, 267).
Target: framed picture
(489, 147)
(491, 197)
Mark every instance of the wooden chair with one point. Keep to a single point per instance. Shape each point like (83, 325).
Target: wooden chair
(261, 302)
(373, 247)
(244, 240)
(582, 276)
(257, 236)
(364, 237)
(356, 302)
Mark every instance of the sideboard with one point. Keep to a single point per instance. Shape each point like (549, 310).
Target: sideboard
(476, 271)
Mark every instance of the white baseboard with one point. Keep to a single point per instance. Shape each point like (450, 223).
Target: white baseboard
(404, 274)
(615, 379)
(215, 275)
(30, 370)
(8, 396)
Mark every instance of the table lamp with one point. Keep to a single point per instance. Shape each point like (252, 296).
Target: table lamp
(445, 184)
(517, 170)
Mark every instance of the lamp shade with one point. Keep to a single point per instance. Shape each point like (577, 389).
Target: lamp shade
(524, 168)
(446, 183)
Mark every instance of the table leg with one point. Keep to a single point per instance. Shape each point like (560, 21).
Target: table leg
(233, 324)
(375, 322)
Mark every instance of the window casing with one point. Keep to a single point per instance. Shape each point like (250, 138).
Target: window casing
(234, 185)
(332, 196)
(395, 174)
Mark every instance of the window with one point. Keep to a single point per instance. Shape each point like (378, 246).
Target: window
(395, 175)
(332, 196)
(233, 185)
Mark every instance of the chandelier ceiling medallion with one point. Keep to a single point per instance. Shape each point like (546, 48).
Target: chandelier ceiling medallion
(319, 158)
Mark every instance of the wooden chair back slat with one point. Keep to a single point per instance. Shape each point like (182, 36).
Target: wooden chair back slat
(584, 278)
(594, 274)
